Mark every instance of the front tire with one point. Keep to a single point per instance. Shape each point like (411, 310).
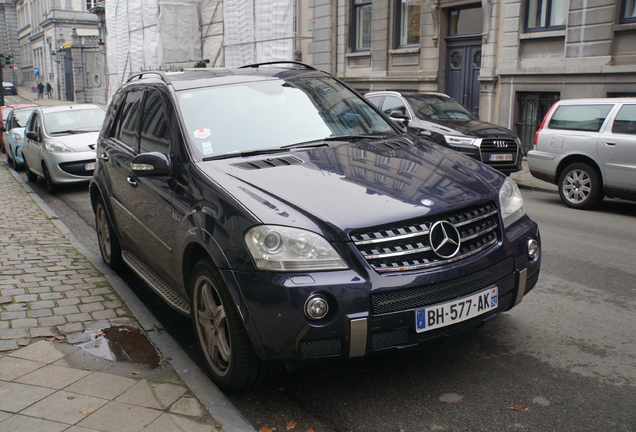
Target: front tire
(229, 355)
(30, 175)
(109, 245)
(580, 186)
(50, 185)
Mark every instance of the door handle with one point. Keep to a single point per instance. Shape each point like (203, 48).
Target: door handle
(105, 157)
(610, 143)
(131, 181)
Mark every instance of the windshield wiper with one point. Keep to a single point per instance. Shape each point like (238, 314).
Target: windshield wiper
(347, 138)
(71, 132)
(246, 154)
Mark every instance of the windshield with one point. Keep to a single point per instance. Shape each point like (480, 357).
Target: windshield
(273, 114)
(74, 121)
(438, 107)
(20, 117)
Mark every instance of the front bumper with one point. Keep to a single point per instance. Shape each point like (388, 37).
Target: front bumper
(70, 167)
(370, 313)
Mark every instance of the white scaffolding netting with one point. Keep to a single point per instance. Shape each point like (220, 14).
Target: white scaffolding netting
(258, 31)
(154, 34)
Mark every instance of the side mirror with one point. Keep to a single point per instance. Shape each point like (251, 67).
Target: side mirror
(3, 129)
(32, 136)
(400, 118)
(152, 164)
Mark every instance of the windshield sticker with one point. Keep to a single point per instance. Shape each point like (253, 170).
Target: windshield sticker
(202, 133)
(207, 147)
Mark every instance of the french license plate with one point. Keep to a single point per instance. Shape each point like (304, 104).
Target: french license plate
(500, 157)
(89, 166)
(452, 312)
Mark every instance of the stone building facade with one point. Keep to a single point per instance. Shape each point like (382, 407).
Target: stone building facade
(507, 60)
(55, 41)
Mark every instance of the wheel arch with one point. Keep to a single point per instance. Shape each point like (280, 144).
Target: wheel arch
(196, 251)
(577, 158)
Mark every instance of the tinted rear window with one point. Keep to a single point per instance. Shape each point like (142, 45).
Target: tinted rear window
(580, 117)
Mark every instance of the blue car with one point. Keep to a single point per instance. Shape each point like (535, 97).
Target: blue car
(14, 136)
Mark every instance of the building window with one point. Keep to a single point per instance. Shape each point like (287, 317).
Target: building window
(546, 14)
(465, 21)
(361, 13)
(91, 4)
(408, 22)
(628, 14)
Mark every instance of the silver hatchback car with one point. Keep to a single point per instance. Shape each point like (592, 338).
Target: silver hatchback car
(60, 143)
(587, 147)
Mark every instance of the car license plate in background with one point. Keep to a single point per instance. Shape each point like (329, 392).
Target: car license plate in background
(443, 314)
(500, 157)
(89, 166)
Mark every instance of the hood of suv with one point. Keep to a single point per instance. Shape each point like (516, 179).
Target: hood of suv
(472, 128)
(355, 185)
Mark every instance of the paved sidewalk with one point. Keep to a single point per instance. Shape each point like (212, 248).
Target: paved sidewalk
(56, 312)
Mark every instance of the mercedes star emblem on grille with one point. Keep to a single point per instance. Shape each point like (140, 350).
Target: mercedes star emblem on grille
(444, 239)
(501, 144)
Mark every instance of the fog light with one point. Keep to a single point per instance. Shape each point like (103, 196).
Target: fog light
(316, 307)
(533, 248)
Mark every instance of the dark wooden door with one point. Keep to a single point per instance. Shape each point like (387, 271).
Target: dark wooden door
(463, 62)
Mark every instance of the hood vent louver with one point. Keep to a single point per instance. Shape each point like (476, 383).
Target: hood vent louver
(268, 163)
(391, 145)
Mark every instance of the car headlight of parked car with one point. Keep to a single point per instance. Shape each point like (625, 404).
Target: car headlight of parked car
(459, 140)
(510, 203)
(58, 147)
(17, 137)
(291, 249)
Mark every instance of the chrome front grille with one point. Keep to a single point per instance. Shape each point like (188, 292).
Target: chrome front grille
(408, 247)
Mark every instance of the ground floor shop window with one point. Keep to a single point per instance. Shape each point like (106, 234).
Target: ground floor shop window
(532, 107)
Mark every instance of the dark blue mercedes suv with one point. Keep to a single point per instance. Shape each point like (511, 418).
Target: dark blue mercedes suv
(294, 222)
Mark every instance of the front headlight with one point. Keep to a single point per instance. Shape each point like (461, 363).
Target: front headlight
(17, 137)
(459, 140)
(511, 203)
(57, 147)
(291, 249)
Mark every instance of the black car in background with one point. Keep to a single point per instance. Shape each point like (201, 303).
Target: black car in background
(8, 88)
(293, 222)
(449, 123)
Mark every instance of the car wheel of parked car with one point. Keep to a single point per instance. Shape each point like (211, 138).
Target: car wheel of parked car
(106, 238)
(50, 186)
(9, 160)
(30, 175)
(228, 351)
(580, 186)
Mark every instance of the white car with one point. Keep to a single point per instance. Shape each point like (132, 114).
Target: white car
(60, 143)
(587, 147)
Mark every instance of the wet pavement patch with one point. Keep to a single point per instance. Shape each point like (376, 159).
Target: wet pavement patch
(125, 343)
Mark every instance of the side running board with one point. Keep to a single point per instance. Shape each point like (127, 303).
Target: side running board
(157, 284)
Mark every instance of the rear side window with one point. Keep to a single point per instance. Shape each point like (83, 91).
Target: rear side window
(580, 117)
(625, 122)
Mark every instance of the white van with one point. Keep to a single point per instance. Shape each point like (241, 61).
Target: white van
(587, 147)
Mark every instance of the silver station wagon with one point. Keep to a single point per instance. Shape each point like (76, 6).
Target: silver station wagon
(587, 147)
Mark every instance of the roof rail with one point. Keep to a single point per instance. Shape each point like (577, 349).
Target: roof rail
(255, 65)
(140, 75)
